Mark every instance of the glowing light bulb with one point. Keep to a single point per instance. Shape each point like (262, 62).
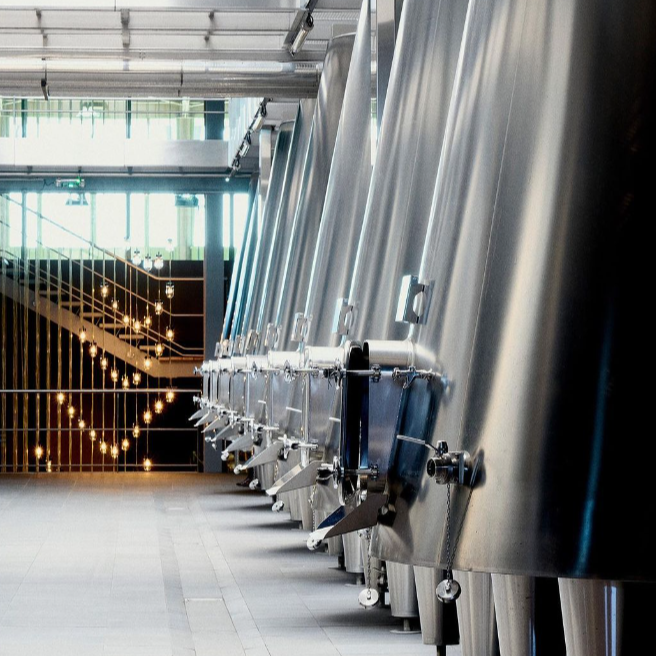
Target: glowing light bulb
(136, 377)
(169, 290)
(170, 395)
(114, 451)
(159, 349)
(148, 362)
(159, 261)
(71, 411)
(104, 363)
(148, 321)
(61, 397)
(125, 382)
(92, 435)
(93, 349)
(147, 417)
(49, 466)
(81, 424)
(147, 464)
(126, 319)
(125, 444)
(114, 304)
(103, 447)
(113, 374)
(38, 452)
(137, 326)
(159, 308)
(169, 333)
(83, 335)
(159, 406)
(104, 290)
(148, 263)
(136, 430)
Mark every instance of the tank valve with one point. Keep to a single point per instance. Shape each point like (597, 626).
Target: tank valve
(450, 467)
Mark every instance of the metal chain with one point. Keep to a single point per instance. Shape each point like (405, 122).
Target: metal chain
(368, 536)
(450, 555)
(314, 516)
(449, 572)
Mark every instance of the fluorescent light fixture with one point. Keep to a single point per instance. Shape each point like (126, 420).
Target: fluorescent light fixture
(301, 35)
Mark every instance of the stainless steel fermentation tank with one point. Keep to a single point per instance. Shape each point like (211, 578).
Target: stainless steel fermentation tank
(399, 200)
(332, 264)
(283, 283)
(294, 270)
(529, 302)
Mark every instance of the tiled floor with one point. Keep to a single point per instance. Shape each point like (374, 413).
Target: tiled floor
(179, 564)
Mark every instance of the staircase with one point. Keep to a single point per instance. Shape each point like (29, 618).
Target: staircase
(49, 288)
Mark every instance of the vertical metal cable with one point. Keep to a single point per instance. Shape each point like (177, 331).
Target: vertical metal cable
(92, 425)
(59, 359)
(48, 361)
(25, 337)
(3, 372)
(37, 349)
(70, 367)
(16, 344)
(81, 347)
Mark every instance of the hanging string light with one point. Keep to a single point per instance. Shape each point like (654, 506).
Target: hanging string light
(103, 447)
(92, 434)
(125, 444)
(104, 363)
(82, 334)
(113, 374)
(159, 261)
(147, 464)
(159, 349)
(81, 424)
(147, 416)
(169, 290)
(159, 307)
(148, 321)
(114, 451)
(148, 264)
(114, 305)
(93, 349)
(170, 334)
(136, 377)
(136, 431)
(148, 363)
(137, 326)
(104, 288)
(136, 257)
(159, 406)
(71, 411)
(125, 382)
(170, 395)
(61, 397)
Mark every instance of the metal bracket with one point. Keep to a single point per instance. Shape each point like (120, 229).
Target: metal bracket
(414, 300)
(301, 326)
(343, 317)
(271, 336)
(409, 375)
(252, 338)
